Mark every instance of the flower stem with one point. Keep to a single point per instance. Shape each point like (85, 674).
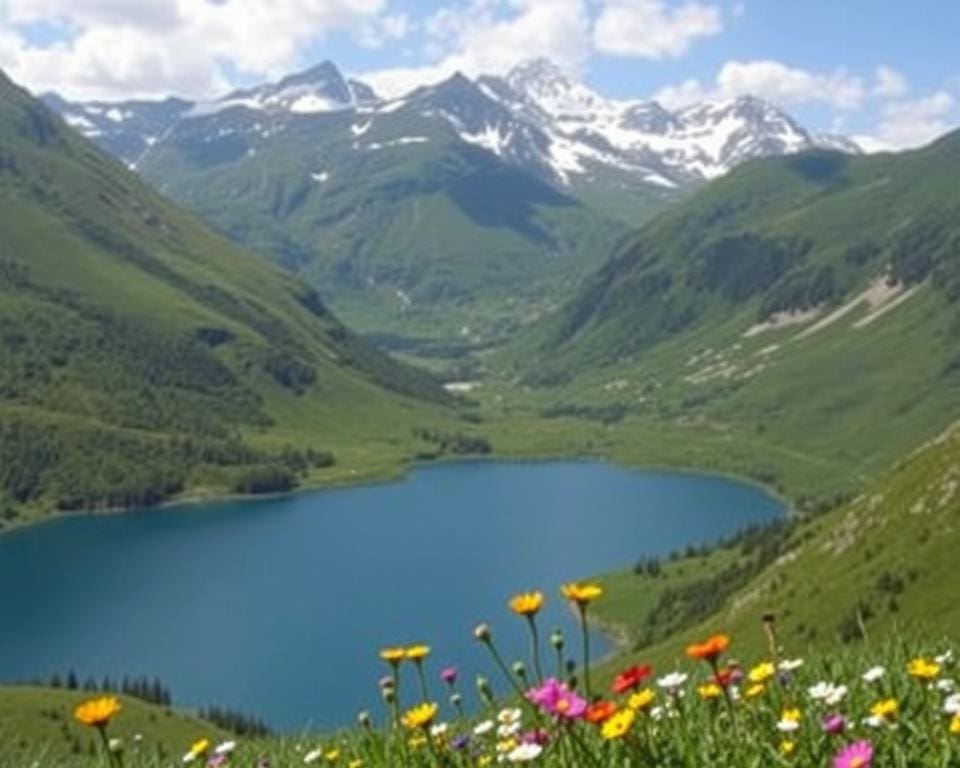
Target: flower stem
(535, 647)
(586, 651)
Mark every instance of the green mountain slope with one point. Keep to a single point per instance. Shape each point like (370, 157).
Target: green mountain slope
(141, 355)
(807, 302)
(883, 565)
(403, 228)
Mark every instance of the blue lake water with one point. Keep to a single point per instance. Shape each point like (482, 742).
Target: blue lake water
(278, 607)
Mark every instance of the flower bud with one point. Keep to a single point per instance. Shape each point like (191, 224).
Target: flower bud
(364, 719)
(482, 633)
(456, 700)
(519, 670)
(484, 689)
(556, 639)
(389, 695)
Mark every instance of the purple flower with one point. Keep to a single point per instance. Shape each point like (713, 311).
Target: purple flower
(449, 675)
(461, 741)
(833, 723)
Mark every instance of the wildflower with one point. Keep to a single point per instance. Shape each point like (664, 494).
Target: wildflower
(416, 652)
(332, 756)
(482, 633)
(886, 709)
(225, 748)
(364, 720)
(197, 750)
(873, 674)
(787, 747)
(955, 725)
(439, 729)
(710, 650)
(556, 640)
(641, 700)
(461, 742)
(923, 669)
(600, 712)
(420, 716)
(673, 681)
(790, 665)
(709, 691)
(524, 753)
(631, 678)
(945, 685)
(449, 675)
(509, 715)
(527, 603)
(833, 724)
(944, 658)
(115, 745)
(952, 704)
(556, 699)
(857, 755)
(393, 656)
(618, 725)
(581, 594)
(507, 730)
(789, 721)
(312, 756)
(757, 689)
(483, 728)
(97, 713)
(761, 672)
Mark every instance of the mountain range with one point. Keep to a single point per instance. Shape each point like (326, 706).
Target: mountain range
(525, 183)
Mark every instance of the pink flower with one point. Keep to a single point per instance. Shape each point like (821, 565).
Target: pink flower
(554, 698)
(449, 675)
(539, 736)
(833, 724)
(857, 755)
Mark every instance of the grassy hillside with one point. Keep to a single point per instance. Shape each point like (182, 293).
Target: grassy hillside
(407, 231)
(883, 565)
(142, 355)
(37, 728)
(805, 305)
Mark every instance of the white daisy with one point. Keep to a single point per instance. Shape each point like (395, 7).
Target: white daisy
(873, 674)
(524, 753)
(483, 728)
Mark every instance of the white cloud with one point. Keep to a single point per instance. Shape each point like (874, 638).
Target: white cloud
(771, 80)
(489, 37)
(889, 83)
(649, 29)
(913, 123)
(151, 48)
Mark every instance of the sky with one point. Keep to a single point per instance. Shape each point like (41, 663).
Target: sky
(882, 71)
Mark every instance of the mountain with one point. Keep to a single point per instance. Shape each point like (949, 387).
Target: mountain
(142, 355)
(457, 212)
(800, 303)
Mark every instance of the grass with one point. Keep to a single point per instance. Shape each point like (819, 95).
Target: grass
(37, 727)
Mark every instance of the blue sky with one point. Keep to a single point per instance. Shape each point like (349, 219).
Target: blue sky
(885, 72)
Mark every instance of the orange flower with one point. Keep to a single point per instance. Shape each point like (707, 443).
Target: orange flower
(97, 712)
(600, 712)
(709, 650)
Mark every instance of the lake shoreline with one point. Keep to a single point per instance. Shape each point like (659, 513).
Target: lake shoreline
(197, 497)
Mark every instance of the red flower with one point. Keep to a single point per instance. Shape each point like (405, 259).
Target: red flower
(600, 712)
(631, 678)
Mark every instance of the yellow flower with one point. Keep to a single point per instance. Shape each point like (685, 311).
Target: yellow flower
(581, 594)
(420, 716)
(97, 713)
(787, 747)
(709, 691)
(923, 669)
(955, 725)
(762, 672)
(619, 725)
(332, 756)
(527, 603)
(755, 690)
(355, 763)
(417, 652)
(485, 760)
(887, 709)
(791, 715)
(417, 741)
(393, 655)
(199, 748)
(641, 699)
